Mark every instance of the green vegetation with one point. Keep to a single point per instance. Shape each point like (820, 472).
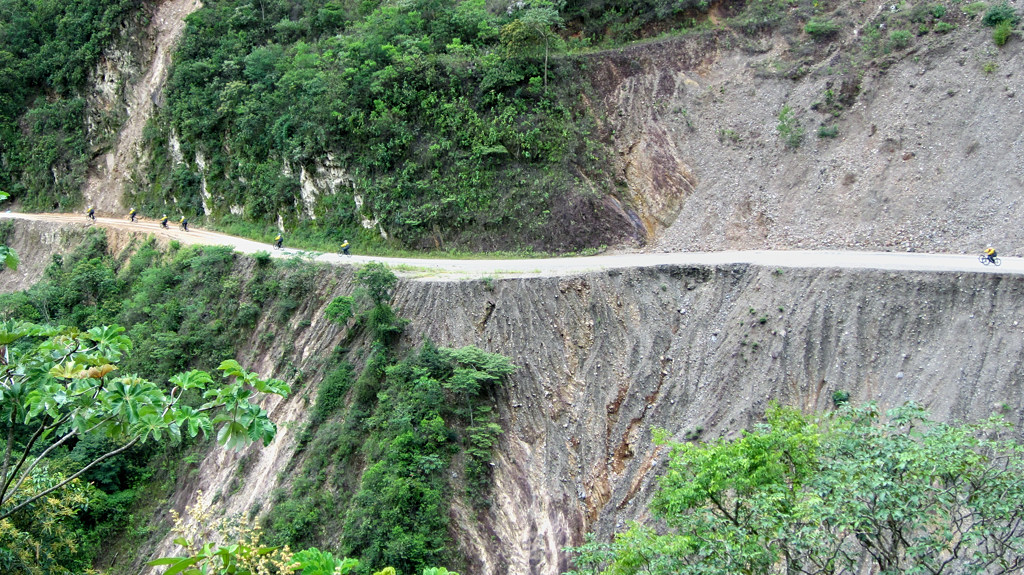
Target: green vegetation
(821, 28)
(899, 39)
(184, 309)
(377, 469)
(47, 50)
(440, 113)
(243, 552)
(67, 418)
(381, 442)
(789, 128)
(1002, 32)
(1000, 14)
(819, 495)
(828, 131)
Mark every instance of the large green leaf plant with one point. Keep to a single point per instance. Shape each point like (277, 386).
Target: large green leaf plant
(59, 384)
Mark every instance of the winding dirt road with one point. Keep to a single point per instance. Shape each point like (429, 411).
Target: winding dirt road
(467, 269)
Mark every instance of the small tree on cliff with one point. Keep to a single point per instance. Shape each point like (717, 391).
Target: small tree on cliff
(798, 495)
(534, 26)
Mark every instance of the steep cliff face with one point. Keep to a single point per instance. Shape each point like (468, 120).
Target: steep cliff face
(607, 357)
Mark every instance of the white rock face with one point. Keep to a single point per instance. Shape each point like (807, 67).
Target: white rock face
(142, 76)
(327, 178)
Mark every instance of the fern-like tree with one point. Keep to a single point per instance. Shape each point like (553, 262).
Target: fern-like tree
(536, 24)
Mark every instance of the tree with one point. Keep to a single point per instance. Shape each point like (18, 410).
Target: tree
(535, 24)
(59, 385)
(803, 495)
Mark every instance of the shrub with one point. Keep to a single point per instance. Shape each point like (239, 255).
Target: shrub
(938, 11)
(828, 131)
(899, 39)
(789, 128)
(840, 397)
(999, 14)
(1002, 33)
(262, 258)
(974, 8)
(821, 28)
(943, 27)
(378, 282)
(339, 310)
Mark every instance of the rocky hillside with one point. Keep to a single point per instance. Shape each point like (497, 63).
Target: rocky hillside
(915, 148)
(902, 132)
(607, 357)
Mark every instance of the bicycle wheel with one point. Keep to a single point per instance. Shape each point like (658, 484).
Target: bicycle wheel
(997, 261)
(983, 259)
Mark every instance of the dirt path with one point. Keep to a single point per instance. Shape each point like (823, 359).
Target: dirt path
(108, 173)
(439, 269)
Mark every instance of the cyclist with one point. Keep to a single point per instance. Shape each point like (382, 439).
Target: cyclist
(278, 241)
(92, 214)
(183, 223)
(344, 247)
(991, 253)
(163, 221)
(131, 214)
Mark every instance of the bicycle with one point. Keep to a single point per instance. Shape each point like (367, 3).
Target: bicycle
(985, 260)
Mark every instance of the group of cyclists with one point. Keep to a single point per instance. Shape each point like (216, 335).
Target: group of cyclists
(133, 213)
(183, 225)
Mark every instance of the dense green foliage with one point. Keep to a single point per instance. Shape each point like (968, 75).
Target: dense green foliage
(184, 309)
(817, 496)
(447, 133)
(58, 389)
(47, 49)
(377, 472)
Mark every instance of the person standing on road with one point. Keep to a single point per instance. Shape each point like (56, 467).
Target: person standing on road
(344, 248)
(278, 241)
(92, 214)
(131, 215)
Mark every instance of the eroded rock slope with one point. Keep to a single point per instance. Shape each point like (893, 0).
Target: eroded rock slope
(607, 357)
